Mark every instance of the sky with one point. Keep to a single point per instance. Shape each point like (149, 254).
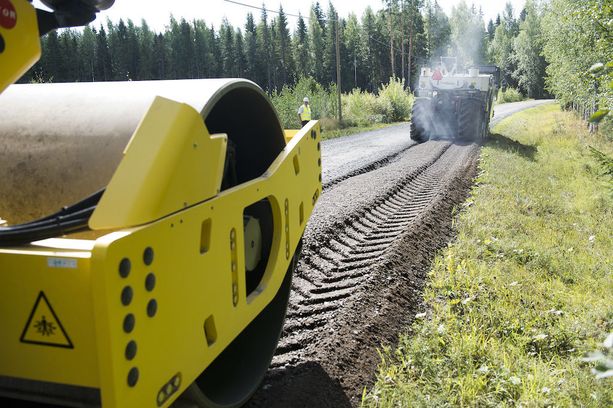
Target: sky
(157, 13)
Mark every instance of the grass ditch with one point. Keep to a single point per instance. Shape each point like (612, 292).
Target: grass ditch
(526, 289)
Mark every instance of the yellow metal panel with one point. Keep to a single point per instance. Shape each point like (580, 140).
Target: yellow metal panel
(135, 304)
(48, 337)
(19, 40)
(192, 285)
(170, 163)
(289, 133)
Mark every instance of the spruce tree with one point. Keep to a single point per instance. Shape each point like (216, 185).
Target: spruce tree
(316, 36)
(264, 47)
(104, 70)
(286, 67)
(239, 54)
(145, 50)
(251, 56)
(226, 37)
(300, 48)
(87, 51)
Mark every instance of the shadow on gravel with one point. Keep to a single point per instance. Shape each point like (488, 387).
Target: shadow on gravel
(500, 142)
(304, 386)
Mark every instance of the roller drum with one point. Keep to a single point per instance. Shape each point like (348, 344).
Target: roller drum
(59, 143)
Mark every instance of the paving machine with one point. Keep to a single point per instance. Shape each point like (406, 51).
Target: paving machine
(149, 230)
(454, 105)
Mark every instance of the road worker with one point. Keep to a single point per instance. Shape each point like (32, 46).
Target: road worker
(304, 112)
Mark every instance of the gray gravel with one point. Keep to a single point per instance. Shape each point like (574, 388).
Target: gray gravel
(346, 155)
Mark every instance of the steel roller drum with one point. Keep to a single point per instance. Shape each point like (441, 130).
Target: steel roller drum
(60, 143)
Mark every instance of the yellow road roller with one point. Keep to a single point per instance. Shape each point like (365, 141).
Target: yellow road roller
(149, 230)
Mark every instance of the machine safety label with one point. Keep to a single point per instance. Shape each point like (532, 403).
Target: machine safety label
(61, 263)
(44, 327)
(8, 15)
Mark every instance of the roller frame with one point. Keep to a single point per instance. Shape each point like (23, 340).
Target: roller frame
(195, 234)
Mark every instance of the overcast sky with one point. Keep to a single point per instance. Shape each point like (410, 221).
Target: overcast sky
(157, 13)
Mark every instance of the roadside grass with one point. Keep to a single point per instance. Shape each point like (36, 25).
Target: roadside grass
(510, 95)
(334, 133)
(525, 290)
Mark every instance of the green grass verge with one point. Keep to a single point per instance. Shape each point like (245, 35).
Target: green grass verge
(510, 95)
(332, 134)
(526, 289)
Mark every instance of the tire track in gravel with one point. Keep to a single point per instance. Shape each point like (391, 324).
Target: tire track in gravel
(366, 251)
(365, 169)
(342, 264)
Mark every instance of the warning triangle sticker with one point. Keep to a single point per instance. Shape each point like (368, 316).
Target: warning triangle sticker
(44, 327)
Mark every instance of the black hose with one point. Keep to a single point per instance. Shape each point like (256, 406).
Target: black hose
(68, 220)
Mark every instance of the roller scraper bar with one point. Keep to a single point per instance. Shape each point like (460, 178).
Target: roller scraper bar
(66, 221)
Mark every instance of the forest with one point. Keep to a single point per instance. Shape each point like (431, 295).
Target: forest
(560, 48)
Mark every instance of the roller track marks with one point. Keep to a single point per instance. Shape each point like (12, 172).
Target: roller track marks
(327, 278)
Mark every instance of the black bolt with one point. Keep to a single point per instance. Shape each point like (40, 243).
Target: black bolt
(148, 256)
(128, 323)
(133, 377)
(152, 307)
(131, 350)
(126, 295)
(150, 281)
(124, 267)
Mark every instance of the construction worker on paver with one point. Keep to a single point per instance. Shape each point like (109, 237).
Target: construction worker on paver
(304, 112)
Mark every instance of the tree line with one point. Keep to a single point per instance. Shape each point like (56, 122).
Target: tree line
(548, 47)
(391, 42)
(577, 38)
(562, 48)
